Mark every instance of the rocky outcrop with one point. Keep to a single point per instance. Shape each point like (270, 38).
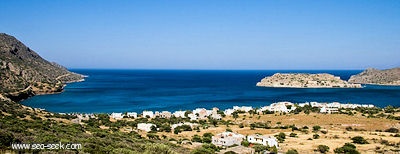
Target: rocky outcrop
(301, 80)
(23, 73)
(375, 76)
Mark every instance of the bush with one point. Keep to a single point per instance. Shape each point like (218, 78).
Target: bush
(348, 148)
(292, 151)
(315, 136)
(316, 128)
(323, 148)
(293, 135)
(392, 130)
(259, 148)
(196, 138)
(245, 143)
(359, 140)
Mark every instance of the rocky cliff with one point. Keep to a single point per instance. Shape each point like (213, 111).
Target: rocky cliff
(302, 80)
(374, 76)
(24, 73)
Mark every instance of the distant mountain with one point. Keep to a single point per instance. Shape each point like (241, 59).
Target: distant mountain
(24, 73)
(374, 76)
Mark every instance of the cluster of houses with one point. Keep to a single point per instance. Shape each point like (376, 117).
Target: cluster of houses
(230, 138)
(202, 113)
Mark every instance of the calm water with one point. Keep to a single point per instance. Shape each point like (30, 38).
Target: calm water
(137, 90)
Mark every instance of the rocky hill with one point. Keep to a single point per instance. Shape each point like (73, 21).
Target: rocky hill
(301, 80)
(374, 76)
(24, 73)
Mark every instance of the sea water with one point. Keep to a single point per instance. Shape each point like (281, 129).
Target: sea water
(106, 91)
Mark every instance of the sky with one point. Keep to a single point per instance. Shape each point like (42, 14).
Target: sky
(202, 34)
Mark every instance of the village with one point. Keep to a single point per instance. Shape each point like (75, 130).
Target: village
(231, 137)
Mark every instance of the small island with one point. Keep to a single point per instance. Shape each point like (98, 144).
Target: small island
(303, 80)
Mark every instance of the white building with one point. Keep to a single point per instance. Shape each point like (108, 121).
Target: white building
(192, 125)
(132, 114)
(165, 114)
(242, 108)
(149, 114)
(179, 114)
(264, 140)
(116, 115)
(229, 112)
(329, 110)
(145, 126)
(303, 104)
(227, 139)
(216, 116)
(192, 116)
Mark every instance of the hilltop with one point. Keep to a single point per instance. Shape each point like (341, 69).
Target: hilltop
(302, 80)
(375, 76)
(24, 73)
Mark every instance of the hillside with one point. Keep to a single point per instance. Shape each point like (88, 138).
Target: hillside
(301, 80)
(24, 73)
(374, 76)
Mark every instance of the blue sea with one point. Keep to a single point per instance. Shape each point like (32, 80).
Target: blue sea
(106, 91)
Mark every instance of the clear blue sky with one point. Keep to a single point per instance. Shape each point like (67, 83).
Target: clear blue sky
(188, 34)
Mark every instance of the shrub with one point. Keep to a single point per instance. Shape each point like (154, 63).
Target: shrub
(347, 148)
(392, 130)
(293, 135)
(359, 140)
(315, 136)
(245, 143)
(316, 128)
(292, 151)
(323, 148)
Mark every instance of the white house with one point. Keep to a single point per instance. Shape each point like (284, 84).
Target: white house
(145, 126)
(264, 140)
(243, 108)
(192, 125)
(116, 115)
(303, 104)
(131, 114)
(165, 114)
(192, 116)
(179, 114)
(227, 139)
(329, 110)
(149, 114)
(228, 111)
(216, 116)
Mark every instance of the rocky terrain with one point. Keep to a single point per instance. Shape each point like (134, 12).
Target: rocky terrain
(301, 80)
(24, 73)
(374, 76)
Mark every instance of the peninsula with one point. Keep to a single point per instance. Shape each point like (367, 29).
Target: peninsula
(302, 80)
(24, 73)
(379, 77)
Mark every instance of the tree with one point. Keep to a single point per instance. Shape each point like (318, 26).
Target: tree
(323, 148)
(359, 140)
(235, 115)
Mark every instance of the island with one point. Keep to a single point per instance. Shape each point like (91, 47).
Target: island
(304, 80)
(378, 77)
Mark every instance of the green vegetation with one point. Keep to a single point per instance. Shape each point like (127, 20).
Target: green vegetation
(39, 129)
(359, 140)
(323, 148)
(348, 148)
(292, 151)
